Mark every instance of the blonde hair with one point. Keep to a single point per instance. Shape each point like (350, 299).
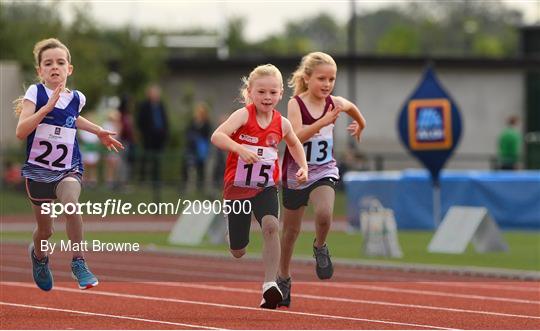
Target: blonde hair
(306, 67)
(258, 72)
(46, 44)
(40, 47)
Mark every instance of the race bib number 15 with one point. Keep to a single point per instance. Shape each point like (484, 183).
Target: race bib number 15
(259, 174)
(52, 147)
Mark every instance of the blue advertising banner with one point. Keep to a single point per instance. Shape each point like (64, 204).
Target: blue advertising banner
(430, 124)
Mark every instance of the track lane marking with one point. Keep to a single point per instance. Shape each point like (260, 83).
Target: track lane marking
(305, 296)
(221, 275)
(219, 305)
(107, 315)
(433, 293)
(177, 261)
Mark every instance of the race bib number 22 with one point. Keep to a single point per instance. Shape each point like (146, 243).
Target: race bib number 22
(52, 147)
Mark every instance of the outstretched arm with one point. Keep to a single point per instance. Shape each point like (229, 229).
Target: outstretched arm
(348, 107)
(104, 136)
(296, 149)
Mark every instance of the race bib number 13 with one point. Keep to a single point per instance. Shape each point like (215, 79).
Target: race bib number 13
(52, 147)
(318, 151)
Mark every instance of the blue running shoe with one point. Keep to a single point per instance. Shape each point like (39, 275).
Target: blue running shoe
(40, 270)
(83, 275)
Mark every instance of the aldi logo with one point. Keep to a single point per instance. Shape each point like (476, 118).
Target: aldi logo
(430, 124)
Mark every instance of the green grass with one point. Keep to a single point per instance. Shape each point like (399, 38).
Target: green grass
(524, 252)
(16, 202)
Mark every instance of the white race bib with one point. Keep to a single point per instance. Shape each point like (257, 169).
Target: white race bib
(259, 174)
(52, 147)
(318, 151)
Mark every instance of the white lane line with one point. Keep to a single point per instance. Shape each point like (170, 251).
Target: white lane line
(221, 276)
(339, 299)
(299, 295)
(107, 315)
(219, 305)
(223, 265)
(424, 292)
(535, 288)
(164, 271)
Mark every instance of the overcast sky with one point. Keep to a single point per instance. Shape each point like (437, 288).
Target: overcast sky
(262, 17)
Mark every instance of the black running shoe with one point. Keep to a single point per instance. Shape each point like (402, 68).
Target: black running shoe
(271, 295)
(323, 266)
(285, 287)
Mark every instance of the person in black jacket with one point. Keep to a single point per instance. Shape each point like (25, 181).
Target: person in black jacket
(153, 125)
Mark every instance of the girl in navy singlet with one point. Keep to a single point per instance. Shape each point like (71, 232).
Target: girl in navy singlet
(251, 136)
(312, 112)
(48, 120)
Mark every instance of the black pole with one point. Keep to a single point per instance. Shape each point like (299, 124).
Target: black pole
(351, 50)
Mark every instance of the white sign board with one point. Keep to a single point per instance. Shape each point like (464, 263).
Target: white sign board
(191, 229)
(462, 225)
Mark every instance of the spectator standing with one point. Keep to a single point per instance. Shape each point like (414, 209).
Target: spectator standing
(509, 145)
(153, 125)
(197, 145)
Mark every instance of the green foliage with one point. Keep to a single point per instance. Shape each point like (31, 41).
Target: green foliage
(310, 34)
(21, 26)
(136, 64)
(320, 31)
(431, 28)
(448, 28)
(88, 57)
(93, 49)
(399, 40)
(235, 36)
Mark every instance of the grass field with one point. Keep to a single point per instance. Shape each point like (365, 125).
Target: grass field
(524, 246)
(16, 202)
(524, 252)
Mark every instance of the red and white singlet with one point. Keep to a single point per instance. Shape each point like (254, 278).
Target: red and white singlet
(243, 181)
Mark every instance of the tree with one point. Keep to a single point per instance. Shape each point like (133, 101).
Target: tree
(93, 50)
(449, 28)
(235, 36)
(21, 25)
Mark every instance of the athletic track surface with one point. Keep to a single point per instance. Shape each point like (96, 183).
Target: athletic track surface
(151, 290)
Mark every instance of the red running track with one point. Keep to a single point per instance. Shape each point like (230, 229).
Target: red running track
(163, 291)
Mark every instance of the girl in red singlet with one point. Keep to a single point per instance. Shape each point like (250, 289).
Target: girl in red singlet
(251, 136)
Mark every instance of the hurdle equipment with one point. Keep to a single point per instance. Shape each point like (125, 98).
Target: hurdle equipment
(463, 224)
